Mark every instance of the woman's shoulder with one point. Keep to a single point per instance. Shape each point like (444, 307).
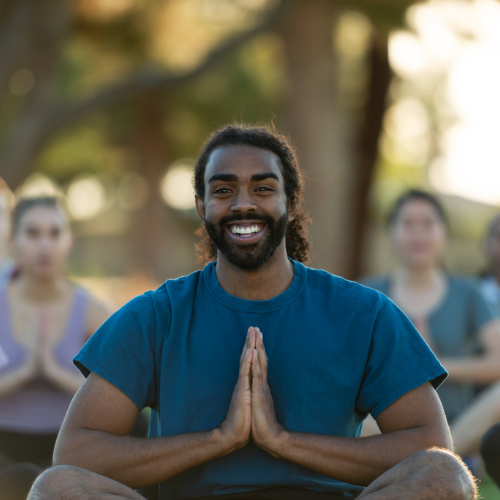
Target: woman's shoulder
(97, 310)
(378, 282)
(463, 283)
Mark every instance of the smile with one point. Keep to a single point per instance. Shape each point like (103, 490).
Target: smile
(243, 230)
(250, 232)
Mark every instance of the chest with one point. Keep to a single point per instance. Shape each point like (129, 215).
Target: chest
(315, 367)
(28, 321)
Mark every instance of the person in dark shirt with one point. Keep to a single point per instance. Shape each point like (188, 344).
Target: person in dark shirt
(258, 370)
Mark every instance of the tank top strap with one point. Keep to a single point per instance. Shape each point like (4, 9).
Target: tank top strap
(75, 333)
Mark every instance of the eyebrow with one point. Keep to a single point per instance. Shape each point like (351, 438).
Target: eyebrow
(234, 178)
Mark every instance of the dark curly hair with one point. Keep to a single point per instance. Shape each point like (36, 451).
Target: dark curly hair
(262, 137)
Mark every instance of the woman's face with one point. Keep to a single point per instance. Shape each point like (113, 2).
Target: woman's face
(42, 241)
(418, 234)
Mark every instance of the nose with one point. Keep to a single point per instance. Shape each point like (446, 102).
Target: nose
(243, 203)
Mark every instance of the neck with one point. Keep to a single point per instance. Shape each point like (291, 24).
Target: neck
(420, 277)
(263, 283)
(42, 290)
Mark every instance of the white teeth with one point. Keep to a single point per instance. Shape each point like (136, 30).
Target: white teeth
(245, 230)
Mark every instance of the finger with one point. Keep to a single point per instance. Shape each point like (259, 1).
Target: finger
(257, 377)
(245, 347)
(245, 369)
(253, 337)
(261, 351)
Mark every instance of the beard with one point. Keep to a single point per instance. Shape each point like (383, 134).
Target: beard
(252, 256)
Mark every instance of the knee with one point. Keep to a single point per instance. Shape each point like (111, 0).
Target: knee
(56, 483)
(490, 445)
(447, 469)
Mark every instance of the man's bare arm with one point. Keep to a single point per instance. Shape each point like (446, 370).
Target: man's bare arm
(94, 435)
(413, 423)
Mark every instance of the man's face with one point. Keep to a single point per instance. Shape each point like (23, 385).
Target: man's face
(245, 209)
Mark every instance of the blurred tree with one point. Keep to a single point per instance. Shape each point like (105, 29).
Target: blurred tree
(36, 117)
(43, 115)
(157, 89)
(337, 141)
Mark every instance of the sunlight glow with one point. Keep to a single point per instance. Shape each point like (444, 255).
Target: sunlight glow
(176, 187)
(86, 198)
(452, 59)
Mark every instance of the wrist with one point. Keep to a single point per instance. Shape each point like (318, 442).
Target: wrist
(227, 444)
(278, 443)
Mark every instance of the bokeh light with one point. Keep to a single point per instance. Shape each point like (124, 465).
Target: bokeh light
(176, 187)
(37, 185)
(86, 198)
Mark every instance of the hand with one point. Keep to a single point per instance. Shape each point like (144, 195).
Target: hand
(236, 426)
(266, 430)
(35, 350)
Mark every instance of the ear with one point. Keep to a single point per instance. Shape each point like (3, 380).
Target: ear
(200, 206)
(293, 206)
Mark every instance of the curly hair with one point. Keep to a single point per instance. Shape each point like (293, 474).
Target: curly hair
(262, 137)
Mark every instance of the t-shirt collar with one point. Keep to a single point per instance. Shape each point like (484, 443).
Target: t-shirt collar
(260, 306)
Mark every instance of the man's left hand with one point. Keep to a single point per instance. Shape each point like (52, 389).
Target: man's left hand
(266, 431)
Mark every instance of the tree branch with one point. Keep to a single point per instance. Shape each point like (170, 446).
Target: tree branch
(16, 161)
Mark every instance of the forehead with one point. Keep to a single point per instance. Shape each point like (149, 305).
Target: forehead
(242, 161)
(41, 216)
(418, 208)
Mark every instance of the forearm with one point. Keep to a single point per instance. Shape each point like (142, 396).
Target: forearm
(353, 460)
(139, 462)
(480, 370)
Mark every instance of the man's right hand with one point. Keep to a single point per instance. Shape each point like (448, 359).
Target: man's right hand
(236, 428)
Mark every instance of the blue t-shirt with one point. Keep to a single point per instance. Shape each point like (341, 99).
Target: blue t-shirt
(337, 351)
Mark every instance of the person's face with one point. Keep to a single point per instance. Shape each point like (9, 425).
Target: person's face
(493, 248)
(42, 241)
(245, 208)
(418, 234)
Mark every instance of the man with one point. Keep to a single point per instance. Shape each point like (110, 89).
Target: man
(316, 354)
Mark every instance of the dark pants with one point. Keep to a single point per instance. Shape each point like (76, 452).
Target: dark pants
(490, 451)
(281, 493)
(22, 458)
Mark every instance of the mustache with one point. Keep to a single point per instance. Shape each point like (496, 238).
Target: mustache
(253, 217)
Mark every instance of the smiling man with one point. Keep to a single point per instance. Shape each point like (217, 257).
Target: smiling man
(258, 371)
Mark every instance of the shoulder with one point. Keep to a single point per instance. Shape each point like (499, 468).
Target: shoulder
(378, 282)
(344, 290)
(98, 311)
(463, 284)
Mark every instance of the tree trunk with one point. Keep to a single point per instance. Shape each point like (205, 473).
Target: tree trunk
(321, 129)
(376, 104)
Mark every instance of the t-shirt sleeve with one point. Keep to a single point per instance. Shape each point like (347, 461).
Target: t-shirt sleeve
(482, 311)
(122, 351)
(399, 360)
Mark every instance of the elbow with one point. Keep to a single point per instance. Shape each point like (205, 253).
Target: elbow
(438, 438)
(68, 450)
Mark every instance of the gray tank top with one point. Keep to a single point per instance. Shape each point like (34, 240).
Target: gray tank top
(39, 407)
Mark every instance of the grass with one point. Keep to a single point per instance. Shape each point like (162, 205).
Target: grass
(488, 490)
